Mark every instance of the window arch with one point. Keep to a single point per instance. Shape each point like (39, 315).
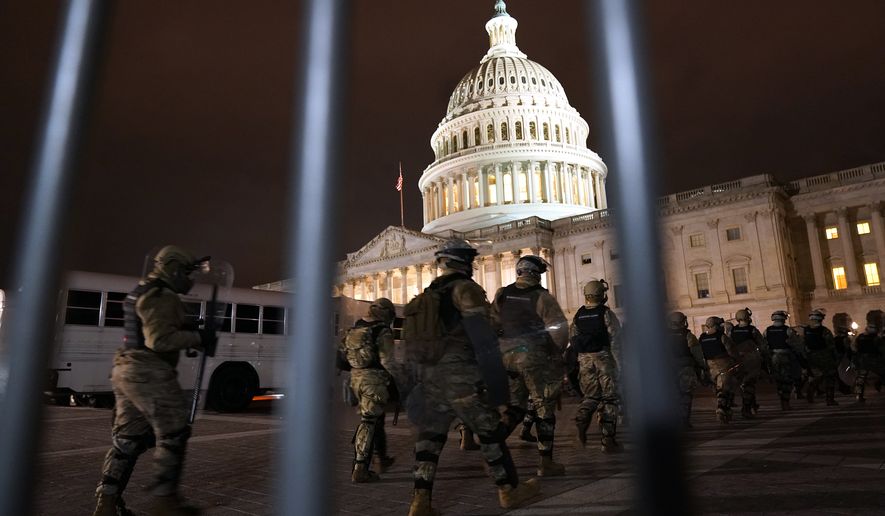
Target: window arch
(523, 186)
(492, 196)
(533, 131)
(546, 130)
(568, 136)
(557, 133)
(446, 146)
(490, 133)
(476, 135)
(508, 187)
(505, 134)
(454, 143)
(519, 130)
(464, 142)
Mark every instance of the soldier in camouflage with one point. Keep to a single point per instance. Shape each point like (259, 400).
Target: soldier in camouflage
(783, 344)
(869, 352)
(820, 348)
(596, 337)
(689, 361)
(368, 346)
(150, 407)
(454, 386)
(722, 363)
(752, 352)
(534, 334)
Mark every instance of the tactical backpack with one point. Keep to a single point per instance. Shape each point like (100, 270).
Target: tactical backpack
(359, 347)
(423, 327)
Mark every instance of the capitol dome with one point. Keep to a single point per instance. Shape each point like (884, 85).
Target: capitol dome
(510, 145)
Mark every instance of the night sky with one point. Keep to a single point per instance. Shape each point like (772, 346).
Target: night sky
(188, 136)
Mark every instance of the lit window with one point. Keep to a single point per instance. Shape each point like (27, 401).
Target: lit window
(839, 281)
(493, 189)
(523, 187)
(872, 272)
(464, 140)
(697, 240)
(533, 131)
(546, 131)
(490, 133)
(558, 134)
(508, 188)
(863, 228)
(832, 233)
(740, 280)
(476, 133)
(519, 130)
(505, 134)
(732, 234)
(568, 135)
(702, 281)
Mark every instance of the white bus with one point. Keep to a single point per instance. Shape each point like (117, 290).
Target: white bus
(251, 342)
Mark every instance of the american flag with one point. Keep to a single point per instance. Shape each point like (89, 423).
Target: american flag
(399, 180)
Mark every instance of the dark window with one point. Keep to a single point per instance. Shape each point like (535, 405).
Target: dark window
(83, 307)
(732, 234)
(534, 81)
(113, 309)
(740, 280)
(491, 82)
(543, 82)
(225, 321)
(247, 319)
(512, 80)
(613, 254)
(586, 259)
(398, 328)
(523, 80)
(274, 320)
(703, 284)
(501, 80)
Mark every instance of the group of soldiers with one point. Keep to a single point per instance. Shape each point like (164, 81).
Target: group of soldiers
(536, 344)
(803, 361)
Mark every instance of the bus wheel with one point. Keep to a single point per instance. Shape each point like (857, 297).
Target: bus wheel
(231, 389)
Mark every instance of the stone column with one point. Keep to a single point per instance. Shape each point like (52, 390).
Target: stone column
(388, 284)
(450, 198)
(434, 270)
(817, 260)
(499, 280)
(581, 191)
(850, 257)
(404, 284)
(499, 184)
(364, 290)
(376, 286)
(440, 212)
(569, 176)
(352, 284)
(877, 226)
(547, 255)
(683, 296)
(603, 196)
(594, 189)
(465, 191)
(482, 186)
(419, 282)
(478, 275)
(530, 177)
(548, 181)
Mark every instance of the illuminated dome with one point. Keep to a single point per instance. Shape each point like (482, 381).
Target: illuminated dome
(510, 145)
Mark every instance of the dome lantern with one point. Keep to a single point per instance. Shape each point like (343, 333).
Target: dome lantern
(502, 34)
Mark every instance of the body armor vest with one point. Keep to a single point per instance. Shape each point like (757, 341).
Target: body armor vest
(712, 346)
(741, 334)
(814, 338)
(592, 335)
(362, 353)
(777, 337)
(866, 344)
(133, 337)
(520, 318)
(449, 315)
(680, 343)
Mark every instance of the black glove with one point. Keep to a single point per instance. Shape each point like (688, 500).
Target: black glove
(208, 342)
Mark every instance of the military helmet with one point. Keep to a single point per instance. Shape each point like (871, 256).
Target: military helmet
(456, 249)
(817, 315)
(596, 290)
(382, 309)
(841, 320)
(678, 320)
(780, 315)
(743, 314)
(876, 319)
(713, 322)
(174, 265)
(531, 265)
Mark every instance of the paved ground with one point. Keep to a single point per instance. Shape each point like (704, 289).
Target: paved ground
(813, 460)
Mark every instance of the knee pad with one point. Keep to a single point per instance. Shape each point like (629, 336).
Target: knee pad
(129, 447)
(175, 441)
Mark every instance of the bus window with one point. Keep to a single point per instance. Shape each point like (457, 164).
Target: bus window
(192, 312)
(273, 320)
(83, 308)
(247, 319)
(113, 309)
(225, 323)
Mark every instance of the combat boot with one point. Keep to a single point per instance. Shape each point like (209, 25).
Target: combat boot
(510, 497)
(362, 474)
(582, 432)
(610, 445)
(382, 464)
(548, 468)
(421, 504)
(526, 434)
(172, 506)
(467, 442)
(106, 505)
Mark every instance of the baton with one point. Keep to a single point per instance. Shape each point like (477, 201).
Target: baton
(210, 325)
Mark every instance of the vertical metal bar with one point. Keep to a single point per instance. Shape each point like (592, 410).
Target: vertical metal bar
(304, 480)
(651, 397)
(29, 335)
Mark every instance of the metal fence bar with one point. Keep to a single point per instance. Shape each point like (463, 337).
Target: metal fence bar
(304, 479)
(35, 283)
(650, 392)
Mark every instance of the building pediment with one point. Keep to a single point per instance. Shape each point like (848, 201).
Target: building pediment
(392, 243)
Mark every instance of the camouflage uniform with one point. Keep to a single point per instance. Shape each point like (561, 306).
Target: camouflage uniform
(150, 407)
(820, 349)
(370, 382)
(785, 368)
(752, 352)
(869, 349)
(690, 367)
(595, 334)
(534, 332)
(454, 387)
(721, 359)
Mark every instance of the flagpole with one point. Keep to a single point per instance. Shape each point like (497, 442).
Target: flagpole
(402, 219)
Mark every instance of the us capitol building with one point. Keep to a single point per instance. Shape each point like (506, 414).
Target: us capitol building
(513, 175)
